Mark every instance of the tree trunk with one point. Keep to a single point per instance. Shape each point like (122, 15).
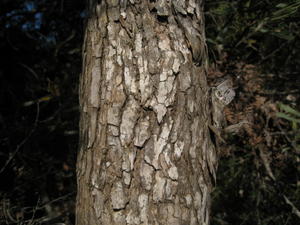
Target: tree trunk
(145, 156)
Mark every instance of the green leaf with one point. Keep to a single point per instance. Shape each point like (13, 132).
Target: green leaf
(285, 11)
(294, 126)
(285, 149)
(248, 4)
(281, 5)
(283, 35)
(289, 109)
(287, 117)
(263, 30)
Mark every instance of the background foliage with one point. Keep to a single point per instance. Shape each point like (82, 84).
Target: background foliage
(40, 47)
(256, 42)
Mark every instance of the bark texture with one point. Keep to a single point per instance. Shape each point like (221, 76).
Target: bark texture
(145, 156)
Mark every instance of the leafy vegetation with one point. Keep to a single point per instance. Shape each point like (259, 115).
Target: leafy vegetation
(257, 42)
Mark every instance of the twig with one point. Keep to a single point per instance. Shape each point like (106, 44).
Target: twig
(267, 166)
(30, 70)
(266, 163)
(24, 140)
(34, 211)
(61, 44)
(288, 139)
(6, 212)
(272, 53)
(57, 199)
(295, 210)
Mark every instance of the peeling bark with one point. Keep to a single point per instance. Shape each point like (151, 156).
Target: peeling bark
(145, 152)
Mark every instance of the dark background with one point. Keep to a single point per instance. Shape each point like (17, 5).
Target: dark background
(257, 43)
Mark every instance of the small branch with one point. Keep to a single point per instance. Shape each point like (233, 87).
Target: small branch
(24, 140)
(56, 200)
(272, 53)
(6, 212)
(61, 44)
(269, 171)
(294, 208)
(30, 70)
(33, 213)
(266, 163)
(288, 139)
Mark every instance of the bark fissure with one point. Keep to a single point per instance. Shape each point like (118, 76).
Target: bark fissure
(145, 153)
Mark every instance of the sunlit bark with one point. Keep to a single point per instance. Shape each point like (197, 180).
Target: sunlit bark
(145, 152)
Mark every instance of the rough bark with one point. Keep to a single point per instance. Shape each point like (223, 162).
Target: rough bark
(145, 156)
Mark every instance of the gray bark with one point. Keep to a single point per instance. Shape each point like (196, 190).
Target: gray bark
(145, 155)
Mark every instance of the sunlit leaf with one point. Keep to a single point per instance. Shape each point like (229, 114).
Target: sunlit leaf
(45, 98)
